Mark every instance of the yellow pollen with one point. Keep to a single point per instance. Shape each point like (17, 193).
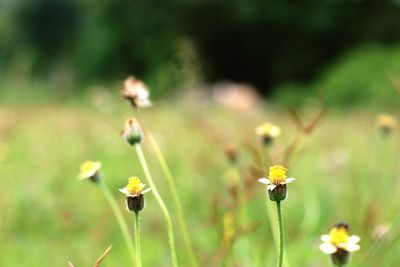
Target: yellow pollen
(87, 166)
(134, 186)
(386, 121)
(277, 174)
(268, 130)
(338, 235)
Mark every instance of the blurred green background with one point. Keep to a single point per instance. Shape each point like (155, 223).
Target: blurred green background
(343, 50)
(211, 66)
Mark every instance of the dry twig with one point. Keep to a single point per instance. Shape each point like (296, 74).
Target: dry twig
(101, 258)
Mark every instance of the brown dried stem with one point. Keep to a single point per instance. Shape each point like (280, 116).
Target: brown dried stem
(101, 258)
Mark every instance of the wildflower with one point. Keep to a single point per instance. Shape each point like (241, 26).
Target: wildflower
(268, 132)
(276, 182)
(134, 194)
(386, 123)
(136, 92)
(339, 244)
(90, 170)
(132, 131)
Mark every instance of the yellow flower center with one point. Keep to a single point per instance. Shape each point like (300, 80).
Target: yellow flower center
(338, 235)
(134, 185)
(386, 121)
(87, 166)
(277, 174)
(268, 129)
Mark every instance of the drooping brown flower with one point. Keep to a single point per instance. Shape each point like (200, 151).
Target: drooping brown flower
(136, 92)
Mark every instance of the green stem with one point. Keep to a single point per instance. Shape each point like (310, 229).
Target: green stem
(137, 240)
(266, 157)
(120, 218)
(172, 186)
(164, 209)
(281, 234)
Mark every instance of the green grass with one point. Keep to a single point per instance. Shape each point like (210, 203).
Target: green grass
(344, 171)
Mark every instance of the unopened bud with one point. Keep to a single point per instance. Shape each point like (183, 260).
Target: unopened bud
(132, 131)
(340, 257)
(279, 193)
(135, 203)
(231, 153)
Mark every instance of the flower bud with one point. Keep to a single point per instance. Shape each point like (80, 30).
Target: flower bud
(340, 257)
(231, 153)
(135, 203)
(132, 131)
(279, 193)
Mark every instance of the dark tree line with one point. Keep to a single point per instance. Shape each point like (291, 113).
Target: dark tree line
(264, 42)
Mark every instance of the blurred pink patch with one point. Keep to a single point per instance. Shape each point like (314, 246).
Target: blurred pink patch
(380, 231)
(237, 96)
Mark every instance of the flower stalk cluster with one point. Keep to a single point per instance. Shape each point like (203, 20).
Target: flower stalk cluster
(91, 170)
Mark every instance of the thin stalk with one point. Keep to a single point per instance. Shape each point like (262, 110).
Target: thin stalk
(164, 209)
(281, 234)
(175, 196)
(266, 158)
(120, 219)
(137, 240)
(272, 219)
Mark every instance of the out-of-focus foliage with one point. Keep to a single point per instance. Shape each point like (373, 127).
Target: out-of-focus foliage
(364, 76)
(260, 42)
(345, 171)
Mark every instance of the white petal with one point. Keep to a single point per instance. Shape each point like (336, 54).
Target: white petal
(82, 177)
(124, 191)
(327, 248)
(143, 93)
(271, 187)
(354, 239)
(275, 131)
(264, 181)
(146, 190)
(87, 174)
(290, 180)
(143, 103)
(326, 238)
(97, 165)
(352, 247)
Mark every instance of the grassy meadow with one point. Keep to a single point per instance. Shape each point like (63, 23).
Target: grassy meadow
(345, 170)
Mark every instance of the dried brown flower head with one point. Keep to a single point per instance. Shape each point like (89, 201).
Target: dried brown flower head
(136, 92)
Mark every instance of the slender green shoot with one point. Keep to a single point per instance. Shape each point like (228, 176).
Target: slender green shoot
(137, 240)
(175, 196)
(120, 219)
(281, 233)
(164, 209)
